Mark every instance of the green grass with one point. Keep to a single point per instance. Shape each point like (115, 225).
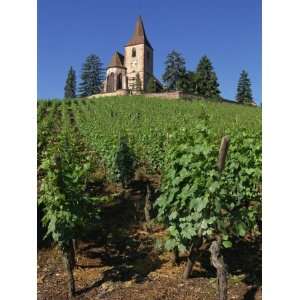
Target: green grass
(149, 122)
(169, 113)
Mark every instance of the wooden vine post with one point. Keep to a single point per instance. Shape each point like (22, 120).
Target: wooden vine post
(222, 153)
(69, 263)
(148, 207)
(215, 249)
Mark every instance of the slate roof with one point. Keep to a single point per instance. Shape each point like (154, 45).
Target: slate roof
(117, 60)
(139, 35)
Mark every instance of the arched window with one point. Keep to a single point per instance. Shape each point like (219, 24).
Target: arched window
(110, 82)
(133, 53)
(119, 82)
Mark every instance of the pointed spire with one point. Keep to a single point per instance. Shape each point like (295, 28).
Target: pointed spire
(117, 60)
(139, 35)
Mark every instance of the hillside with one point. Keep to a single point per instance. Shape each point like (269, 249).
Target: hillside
(125, 153)
(146, 122)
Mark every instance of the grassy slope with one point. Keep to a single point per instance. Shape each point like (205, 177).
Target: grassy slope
(148, 122)
(169, 113)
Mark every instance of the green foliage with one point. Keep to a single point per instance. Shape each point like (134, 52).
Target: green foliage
(91, 76)
(206, 81)
(175, 68)
(151, 86)
(70, 86)
(197, 200)
(186, 82)
(244, 92)
(63, 196)
(194, 195)
(48, 122)
(75, 137)
(125, 162)
(148, 124)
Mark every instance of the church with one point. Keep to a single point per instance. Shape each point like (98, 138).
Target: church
(132, 71)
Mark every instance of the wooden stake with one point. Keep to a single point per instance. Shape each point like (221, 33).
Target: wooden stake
(69, 265)
(215, 249)
(148, 206)
(222, 153)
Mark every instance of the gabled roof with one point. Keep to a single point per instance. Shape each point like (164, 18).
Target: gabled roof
(117, 60)
(139, 35)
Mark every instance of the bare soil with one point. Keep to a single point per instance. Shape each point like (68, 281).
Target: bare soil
(122, 261)
(139, 271)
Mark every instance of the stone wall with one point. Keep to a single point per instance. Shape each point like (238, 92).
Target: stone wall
(185, 96)
(116, 93)
(171, 95)
(165, 95)
(142, 63)
(135, 64)
(168, 95)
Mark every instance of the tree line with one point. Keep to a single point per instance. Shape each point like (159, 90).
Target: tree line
(202, 82)
(92, 77)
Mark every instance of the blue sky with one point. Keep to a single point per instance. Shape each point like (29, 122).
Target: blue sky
(228, 32)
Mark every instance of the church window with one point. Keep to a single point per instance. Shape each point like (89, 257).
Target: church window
(110, 82)
(119, 82)
(133, 54)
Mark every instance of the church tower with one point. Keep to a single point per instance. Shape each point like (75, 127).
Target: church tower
(138, 57)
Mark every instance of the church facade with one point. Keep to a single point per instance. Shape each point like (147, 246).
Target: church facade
(133, 70)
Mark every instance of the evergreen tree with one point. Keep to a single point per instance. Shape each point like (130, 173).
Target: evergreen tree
(206, 81)
(192, 81)
(244, 92)
(186, 82)
(175, 68)
(70, 86)
(151, 85)
(91, 76)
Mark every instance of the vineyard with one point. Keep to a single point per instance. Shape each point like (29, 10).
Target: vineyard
(141, 200)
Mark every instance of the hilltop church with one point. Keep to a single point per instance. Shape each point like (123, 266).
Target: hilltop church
(131, 72)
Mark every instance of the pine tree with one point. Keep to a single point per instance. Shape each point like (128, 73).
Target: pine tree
(206, 81)
(244, 92)
(185, 82)
(91, 76)
(175, 67)
(70, 86)
(151, 85)
(191, 82)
